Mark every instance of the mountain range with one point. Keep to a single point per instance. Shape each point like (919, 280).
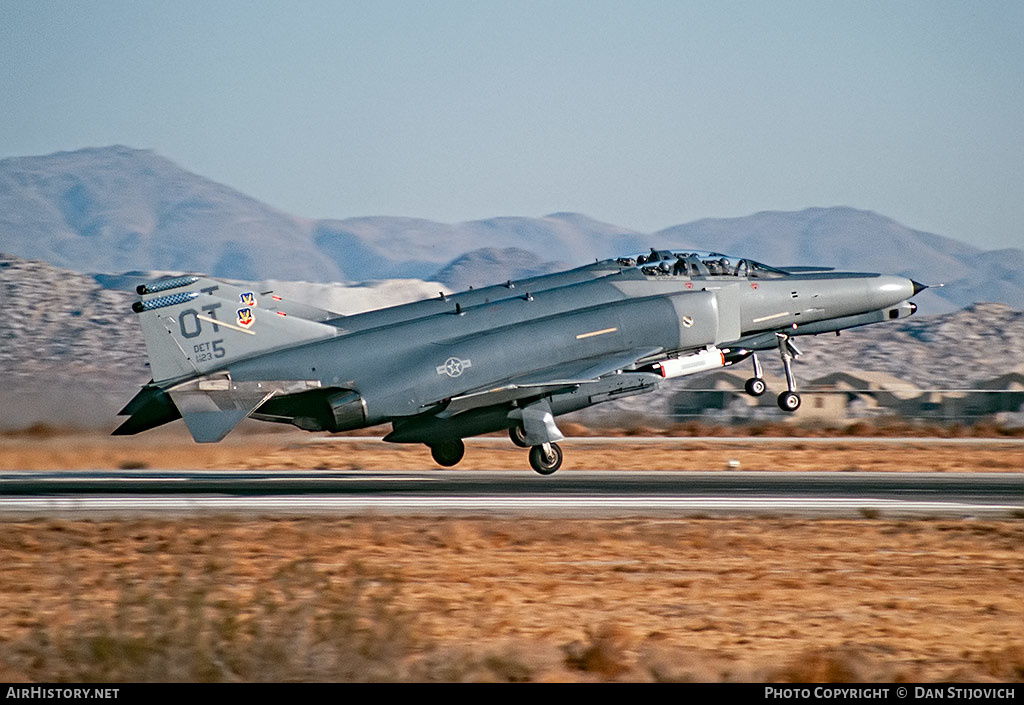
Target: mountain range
(117, 209)
(71, 351)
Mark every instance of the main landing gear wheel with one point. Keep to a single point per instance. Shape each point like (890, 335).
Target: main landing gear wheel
(546, 458)
(448, 453)
(755, 386)
(789, 401)
(518, 436)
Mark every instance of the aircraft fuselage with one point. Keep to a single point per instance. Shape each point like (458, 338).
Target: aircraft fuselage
(512, 355)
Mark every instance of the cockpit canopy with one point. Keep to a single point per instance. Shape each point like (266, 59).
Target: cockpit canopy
(698, 265)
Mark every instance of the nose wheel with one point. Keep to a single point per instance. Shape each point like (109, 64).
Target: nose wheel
(756, 386)
(789, 401)
(546, 458)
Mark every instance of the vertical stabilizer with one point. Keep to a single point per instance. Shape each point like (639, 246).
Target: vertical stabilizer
(190, 333)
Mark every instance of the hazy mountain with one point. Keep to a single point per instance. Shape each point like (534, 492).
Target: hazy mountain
(852, 239)
(115, 209)
(71, 349)
(72, 352)
(823, 236)
(491, 264)
(370, 248)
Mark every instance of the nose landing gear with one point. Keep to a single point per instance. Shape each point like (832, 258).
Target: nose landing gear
(789, 400)
(755, 386)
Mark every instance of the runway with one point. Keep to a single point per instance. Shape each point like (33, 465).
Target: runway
(128, 493)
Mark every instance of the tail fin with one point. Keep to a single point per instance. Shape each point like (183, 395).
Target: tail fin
(189, 330)
(241, 295)
(192, 337)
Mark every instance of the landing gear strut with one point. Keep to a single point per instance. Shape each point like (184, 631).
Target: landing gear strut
(546, 458)
(755, 386)
(789, 400)
(448, 453)
(534, 427)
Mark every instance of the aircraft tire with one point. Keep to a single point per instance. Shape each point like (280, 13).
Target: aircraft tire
(448, 453)
(755, 386)
(518, 436)
(545, 463)
(789, 401)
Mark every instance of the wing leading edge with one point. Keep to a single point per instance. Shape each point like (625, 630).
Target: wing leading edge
(566, 375)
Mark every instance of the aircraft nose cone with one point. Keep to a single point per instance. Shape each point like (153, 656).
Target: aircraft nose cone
(918, 287)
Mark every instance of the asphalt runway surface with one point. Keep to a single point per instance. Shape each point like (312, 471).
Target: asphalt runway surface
(133, 493)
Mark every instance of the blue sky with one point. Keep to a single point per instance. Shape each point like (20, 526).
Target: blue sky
(640, 113)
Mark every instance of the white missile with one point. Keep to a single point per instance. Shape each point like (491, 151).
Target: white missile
(707, 359)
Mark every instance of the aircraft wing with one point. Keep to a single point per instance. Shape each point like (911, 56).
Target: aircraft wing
(570, 374)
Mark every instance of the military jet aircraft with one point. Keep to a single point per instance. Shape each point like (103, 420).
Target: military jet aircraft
(510, 356)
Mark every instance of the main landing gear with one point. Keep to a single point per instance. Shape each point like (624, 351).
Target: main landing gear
(789, 400)
(546, 458)
(518, 436)
(448, 453)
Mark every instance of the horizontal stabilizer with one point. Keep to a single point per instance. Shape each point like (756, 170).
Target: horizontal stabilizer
(141, 399)
(212, 406)
(212, 426)
(150, 408)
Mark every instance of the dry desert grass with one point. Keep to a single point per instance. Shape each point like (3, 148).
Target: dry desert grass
(447, 599)
(375, 598)
(172, 448)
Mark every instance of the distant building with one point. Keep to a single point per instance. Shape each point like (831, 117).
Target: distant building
(1007, 393)
(843, 397)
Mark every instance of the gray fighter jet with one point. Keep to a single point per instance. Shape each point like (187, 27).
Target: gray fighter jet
(511, 356)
